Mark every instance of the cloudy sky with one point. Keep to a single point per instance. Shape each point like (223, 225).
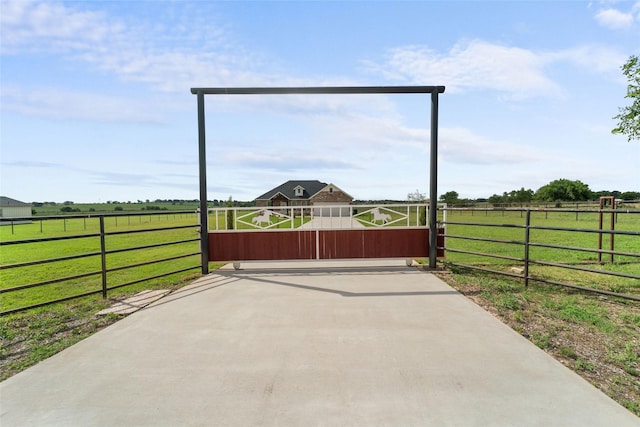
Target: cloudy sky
(95, 101)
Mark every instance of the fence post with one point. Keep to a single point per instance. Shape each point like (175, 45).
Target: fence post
(527, 231)
(103, 257)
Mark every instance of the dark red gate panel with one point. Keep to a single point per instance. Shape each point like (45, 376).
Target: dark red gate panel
(320, 244)
(374, 243)
(262, 245)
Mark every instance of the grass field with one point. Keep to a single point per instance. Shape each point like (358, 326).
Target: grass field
(87, 208)
(90, 244)
(589, 240)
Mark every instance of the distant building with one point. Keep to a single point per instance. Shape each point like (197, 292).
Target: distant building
(318, 194)
(11, 208)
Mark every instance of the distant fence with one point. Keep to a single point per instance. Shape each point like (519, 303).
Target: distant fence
(91, 240)
(513, 242)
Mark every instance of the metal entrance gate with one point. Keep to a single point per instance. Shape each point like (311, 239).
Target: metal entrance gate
(303, 233)
(319, 244)
(329, 240)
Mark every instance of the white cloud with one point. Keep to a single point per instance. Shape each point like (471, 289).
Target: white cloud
(64, 104)
(470, 65)
(288, 162)
(462, 146)
(615, 19)
(597, 58)
(198, 55)
(45, 26)
(514, 72)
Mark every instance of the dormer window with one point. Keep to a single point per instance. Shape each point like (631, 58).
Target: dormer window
(298, 191)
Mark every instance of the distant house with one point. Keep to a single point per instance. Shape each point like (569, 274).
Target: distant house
(318, 194)
(11, 208)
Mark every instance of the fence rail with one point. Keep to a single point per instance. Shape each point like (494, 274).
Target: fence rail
(318, 216)
(525, 242)
(101, 239)
(489, 240)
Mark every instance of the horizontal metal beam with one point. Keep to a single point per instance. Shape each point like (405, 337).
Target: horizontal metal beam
(315, 90)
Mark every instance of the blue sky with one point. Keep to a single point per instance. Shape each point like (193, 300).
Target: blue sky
(95, 101)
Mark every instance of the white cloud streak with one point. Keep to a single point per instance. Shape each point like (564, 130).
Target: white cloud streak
(63, 104)
(39, 26)
(514, 72)
(616, 19)
(470, 65)
(462, 146)
(200, 55)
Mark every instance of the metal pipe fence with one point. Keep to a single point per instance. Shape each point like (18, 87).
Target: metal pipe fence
(545, 246)
(110, 243)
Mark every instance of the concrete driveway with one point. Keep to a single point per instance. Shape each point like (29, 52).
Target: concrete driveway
(365, 343)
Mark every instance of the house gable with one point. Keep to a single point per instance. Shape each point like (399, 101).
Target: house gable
(300, 193)
(331, 193)
(292, 190)
(6, 202)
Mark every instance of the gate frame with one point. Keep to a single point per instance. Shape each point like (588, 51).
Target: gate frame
(200, 92)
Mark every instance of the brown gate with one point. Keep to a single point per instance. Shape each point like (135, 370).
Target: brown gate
(320, 244)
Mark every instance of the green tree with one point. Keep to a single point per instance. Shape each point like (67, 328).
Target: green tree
(496, 199)
(629, 117)
(450, 197)
(521, 195)
(630, 195)
(564, 190)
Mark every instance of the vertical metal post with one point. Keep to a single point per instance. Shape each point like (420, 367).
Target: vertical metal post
(204, 212)
(433, 183)
(103, 257)
(600, 213)
(527, 231)
(612, 228)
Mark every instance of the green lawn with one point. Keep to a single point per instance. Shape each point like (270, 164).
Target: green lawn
(622, 243)
(11, 254)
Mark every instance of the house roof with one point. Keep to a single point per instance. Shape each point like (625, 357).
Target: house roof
(6, 202)
(288, 190)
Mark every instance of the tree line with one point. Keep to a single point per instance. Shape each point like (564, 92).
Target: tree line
(559, 190)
